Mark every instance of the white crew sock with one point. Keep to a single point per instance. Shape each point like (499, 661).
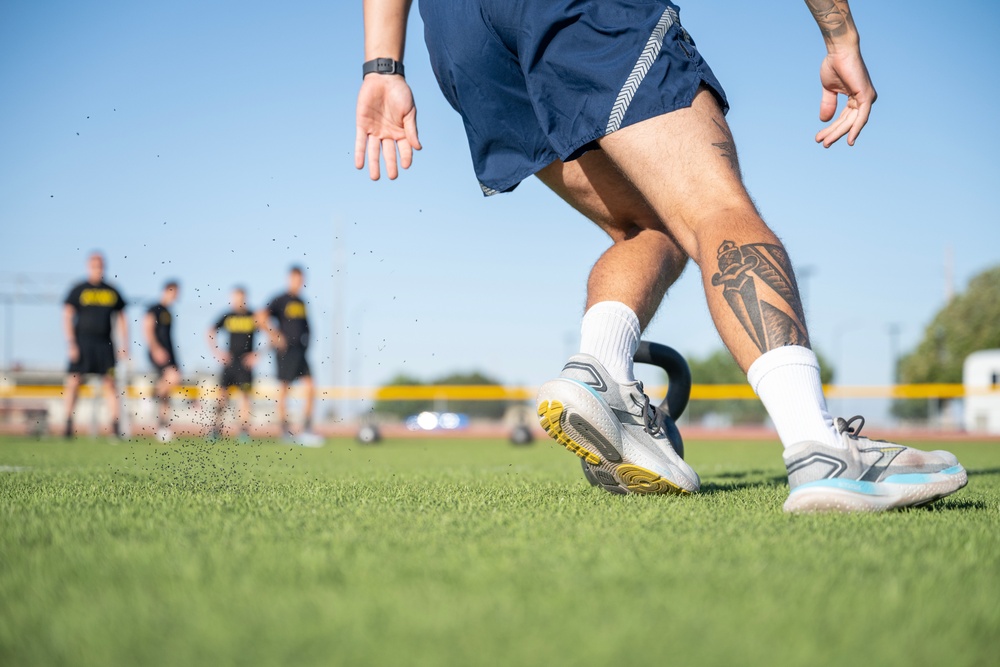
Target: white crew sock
(787, 381)
(610, 333)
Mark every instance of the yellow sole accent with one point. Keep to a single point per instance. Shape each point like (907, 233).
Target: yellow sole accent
(640, 480)
(550, 416)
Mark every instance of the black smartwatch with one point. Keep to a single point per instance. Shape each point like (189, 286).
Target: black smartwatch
(382, 66)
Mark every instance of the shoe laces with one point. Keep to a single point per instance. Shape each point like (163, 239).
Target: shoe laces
(650, 423)
(845, 426)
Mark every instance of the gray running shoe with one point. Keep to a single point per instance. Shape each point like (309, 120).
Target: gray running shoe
(614, 429)
(867, 476)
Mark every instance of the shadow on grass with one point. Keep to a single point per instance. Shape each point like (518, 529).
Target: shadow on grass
(949, 505)
(984, 471)
(742, 474)
(728, 487)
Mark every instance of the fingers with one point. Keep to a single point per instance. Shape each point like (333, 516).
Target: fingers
(827, 105)
(373, 150)
(368, 146)
(389, 155)
(863, 112)
(851, 121)
(405, 153)
(835, 130)
(360, 139)
(386, 150)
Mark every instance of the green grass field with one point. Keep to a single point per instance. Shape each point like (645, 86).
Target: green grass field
(473, 552)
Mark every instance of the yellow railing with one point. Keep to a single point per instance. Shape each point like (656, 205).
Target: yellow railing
(708, 392)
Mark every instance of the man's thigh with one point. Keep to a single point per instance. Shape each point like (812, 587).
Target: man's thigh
(593, 186)
(684, 164)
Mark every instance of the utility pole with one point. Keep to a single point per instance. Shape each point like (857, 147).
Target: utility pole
(339, 335)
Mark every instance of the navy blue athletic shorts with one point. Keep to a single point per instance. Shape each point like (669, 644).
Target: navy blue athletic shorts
(237, 374)
(160, 368)
(541, 80)
(292, 364)
(97, 357)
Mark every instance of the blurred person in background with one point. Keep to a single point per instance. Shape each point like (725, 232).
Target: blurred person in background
(238, 361)
(157, 328)
(90, 311)
(287, 326)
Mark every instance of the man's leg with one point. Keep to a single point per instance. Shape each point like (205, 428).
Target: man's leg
(644, 260)
(170, 379)
(283, 409)
(684, 163)
(71, 390)
(693, 182)
(628, 282)
(114, 406)
(309, 391)
(220, 401)
(245, 411)
(595, 408)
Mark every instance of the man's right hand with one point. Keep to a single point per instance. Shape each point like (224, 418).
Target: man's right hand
(74, 352)
(223, 357)
(386, 120)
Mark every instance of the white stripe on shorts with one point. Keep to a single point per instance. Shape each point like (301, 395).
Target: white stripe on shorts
(646, 60)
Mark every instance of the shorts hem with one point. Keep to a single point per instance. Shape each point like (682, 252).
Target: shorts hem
(576, 148)
(508, 185)
(653, 112)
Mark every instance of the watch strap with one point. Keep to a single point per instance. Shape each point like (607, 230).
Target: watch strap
(382, 66)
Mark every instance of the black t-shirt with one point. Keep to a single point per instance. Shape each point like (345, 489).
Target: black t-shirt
(161, 329)
(94, 305)
(241, 327)
(290, 311)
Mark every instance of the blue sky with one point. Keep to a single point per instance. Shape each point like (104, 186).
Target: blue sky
(213, 142)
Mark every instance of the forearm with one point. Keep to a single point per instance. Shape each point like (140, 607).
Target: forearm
(149, 334)
(835, 23)
(264, 324)
(68, 329)
(124, 342)
(385, 28)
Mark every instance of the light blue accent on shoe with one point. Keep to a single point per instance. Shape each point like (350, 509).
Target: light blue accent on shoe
(589, 388)
(867, 488)
(923, 478)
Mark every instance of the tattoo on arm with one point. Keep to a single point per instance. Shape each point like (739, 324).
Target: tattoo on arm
(742, 269)
(727, 146)
(832, 16)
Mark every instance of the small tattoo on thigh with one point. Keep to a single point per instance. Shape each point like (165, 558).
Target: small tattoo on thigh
(727, 148)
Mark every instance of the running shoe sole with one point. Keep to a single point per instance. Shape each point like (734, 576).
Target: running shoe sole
(596, 439)
(896, 491)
